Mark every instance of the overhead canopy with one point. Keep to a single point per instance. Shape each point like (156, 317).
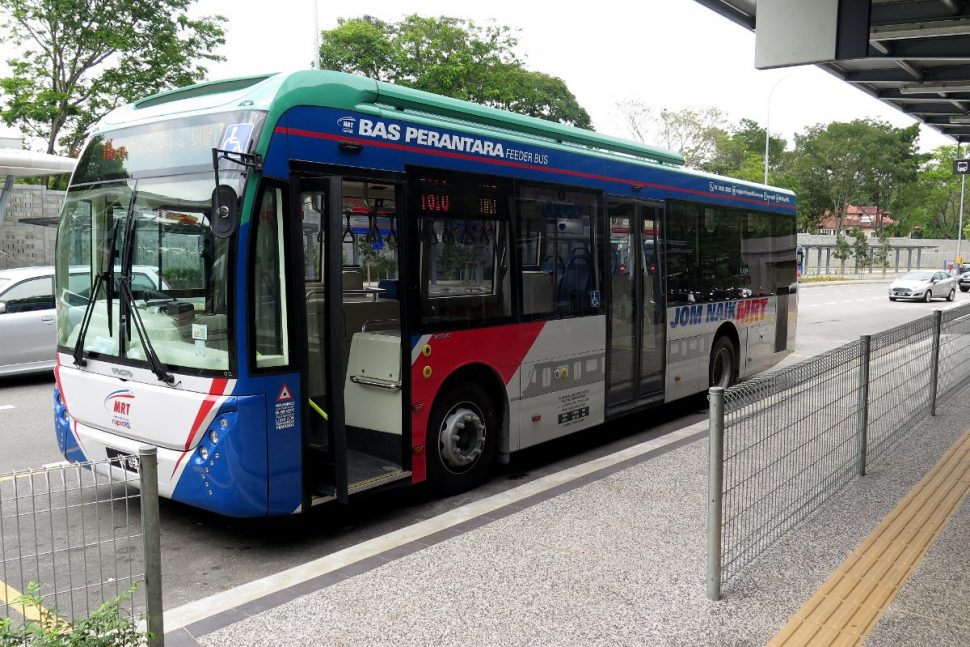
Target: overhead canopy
(917, 56)
(21, 163)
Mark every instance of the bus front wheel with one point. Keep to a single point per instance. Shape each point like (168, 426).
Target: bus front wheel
(462, 437)
(724, 363)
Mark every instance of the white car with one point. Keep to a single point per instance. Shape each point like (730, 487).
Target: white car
(923, 285)
(28, 330)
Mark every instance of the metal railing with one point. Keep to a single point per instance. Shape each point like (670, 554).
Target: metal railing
(784, 442)
(79, 535)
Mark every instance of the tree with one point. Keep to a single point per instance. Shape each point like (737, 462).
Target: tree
(453, 57)
(843, 251)
(860, 249)
(82, 58)
(931, 203)
(694, 133)
(741, 153)
(881, 255)
(851, 162)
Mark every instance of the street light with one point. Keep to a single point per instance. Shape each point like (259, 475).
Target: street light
(768, 117)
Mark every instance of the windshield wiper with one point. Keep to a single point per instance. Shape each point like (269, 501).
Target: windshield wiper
(129, 312)
(103, 277)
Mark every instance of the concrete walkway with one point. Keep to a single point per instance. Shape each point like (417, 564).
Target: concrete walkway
(611, 552)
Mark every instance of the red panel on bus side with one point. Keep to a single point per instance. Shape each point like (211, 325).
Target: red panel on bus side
(501, 348)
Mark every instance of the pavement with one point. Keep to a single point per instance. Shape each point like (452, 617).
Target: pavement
(613, 552)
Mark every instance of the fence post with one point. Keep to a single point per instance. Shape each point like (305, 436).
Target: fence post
(862, 420)
(935, 365)
(151, 539)
(715, 491)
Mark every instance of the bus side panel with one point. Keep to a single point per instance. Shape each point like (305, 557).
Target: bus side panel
(232, 480)
(283, 443)
(436, 356)
(563, 381)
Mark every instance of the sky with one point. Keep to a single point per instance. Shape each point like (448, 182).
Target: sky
(671, 54)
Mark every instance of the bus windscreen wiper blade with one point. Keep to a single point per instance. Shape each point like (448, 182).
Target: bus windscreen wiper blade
(103, 277)
(133, 315)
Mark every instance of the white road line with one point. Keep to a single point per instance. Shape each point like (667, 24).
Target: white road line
(6, 406)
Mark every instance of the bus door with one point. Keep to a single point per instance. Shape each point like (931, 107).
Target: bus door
(353, 430)
(635, 328)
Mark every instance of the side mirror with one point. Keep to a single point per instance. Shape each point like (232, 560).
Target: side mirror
(3, 307)
(225, 211)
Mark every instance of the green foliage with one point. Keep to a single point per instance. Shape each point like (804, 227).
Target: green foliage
(452, 57)
(931, 202)
(107, 626)
(183, 277)
(881, 256)
(843, 251)
(80, 59)
(860, 249)
(741, 153)
(859, 162)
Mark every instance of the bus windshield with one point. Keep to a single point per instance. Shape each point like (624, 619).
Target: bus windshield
(177, 271)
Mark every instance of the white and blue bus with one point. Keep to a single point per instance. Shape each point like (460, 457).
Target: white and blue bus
(365, 285)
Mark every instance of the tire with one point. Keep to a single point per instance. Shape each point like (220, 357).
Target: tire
(952, 296)
(723, 368)
(928, 296)
(455, 466)
(964, 289)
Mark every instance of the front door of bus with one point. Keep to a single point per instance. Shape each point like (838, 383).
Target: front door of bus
(354, 411)
(636, 308)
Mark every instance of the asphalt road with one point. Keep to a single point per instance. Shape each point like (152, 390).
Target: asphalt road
(204, 554)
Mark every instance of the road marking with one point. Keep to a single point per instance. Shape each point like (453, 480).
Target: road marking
(6, 406)
(36, 613)
(846, 609)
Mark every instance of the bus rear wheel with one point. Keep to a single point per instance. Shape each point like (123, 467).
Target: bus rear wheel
(724, 363)
(462, 438)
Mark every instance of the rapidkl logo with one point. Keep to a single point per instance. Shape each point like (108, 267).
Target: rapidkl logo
(347, 124)
(119, 405)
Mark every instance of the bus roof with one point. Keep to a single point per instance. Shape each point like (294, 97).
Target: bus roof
(277, 93)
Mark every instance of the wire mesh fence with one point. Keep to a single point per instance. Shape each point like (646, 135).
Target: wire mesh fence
(72, 536)
(792, 438)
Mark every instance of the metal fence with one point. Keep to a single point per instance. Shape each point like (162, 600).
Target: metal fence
(786, 441)
(78, 535)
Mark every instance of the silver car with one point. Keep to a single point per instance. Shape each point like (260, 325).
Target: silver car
(923, 285)
(28, 331)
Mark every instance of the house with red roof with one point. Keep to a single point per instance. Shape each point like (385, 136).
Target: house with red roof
(868, 220)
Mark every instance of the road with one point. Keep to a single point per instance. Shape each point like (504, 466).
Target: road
(204, 554)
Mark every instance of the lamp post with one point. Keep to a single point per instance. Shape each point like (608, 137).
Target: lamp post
(768, 118)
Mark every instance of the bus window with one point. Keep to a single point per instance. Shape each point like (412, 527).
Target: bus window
(557, 251)
(464, 249)
(680, 247)
(269, 283)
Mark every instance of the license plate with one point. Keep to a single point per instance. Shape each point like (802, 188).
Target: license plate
(125, 460)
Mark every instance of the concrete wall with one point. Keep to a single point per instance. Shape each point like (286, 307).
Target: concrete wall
(24, 244)
(919, 253)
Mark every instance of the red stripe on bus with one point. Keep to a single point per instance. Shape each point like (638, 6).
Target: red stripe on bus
(215, 392)
(549, 169)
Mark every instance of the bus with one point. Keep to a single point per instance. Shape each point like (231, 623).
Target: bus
(365, 286)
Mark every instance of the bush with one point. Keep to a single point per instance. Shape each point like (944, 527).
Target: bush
(107, 626)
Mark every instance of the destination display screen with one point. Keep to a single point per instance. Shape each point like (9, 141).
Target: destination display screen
(166, 146)
(461, 198)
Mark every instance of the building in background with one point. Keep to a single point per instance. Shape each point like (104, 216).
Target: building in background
(28, 212)
(868, 220)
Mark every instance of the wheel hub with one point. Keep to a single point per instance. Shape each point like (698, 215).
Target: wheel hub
(461, 438)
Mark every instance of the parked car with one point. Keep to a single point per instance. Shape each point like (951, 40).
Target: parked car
(964, 279)
(28, 329)
(923, 285)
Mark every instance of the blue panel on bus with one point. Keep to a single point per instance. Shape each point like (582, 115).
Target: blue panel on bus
(227, 471)
(66, 441)
(339, 137)
(284, 442)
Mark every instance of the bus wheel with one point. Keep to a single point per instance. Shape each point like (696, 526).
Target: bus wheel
(462, 437)
(724, 362)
